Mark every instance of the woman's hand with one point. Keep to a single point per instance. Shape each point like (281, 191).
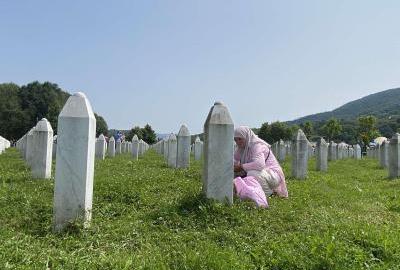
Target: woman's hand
(237, 167)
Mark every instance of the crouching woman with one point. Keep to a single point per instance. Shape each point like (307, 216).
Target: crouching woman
(254, 158)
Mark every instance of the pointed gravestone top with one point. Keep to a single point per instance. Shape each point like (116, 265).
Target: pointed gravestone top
(172, 137)
(101, 137)
(184, 131)
(321, 141)
(112, 138)
(219, 115)
(80, 94)
(300, 136)
(77, 105)
(197, 139)
(135, 138)
(31, 131)
(396, 136)
(43, 125)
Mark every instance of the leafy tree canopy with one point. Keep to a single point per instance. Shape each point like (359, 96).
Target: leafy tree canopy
(101, 126)
(146, 134)
(331, 129)
(21, 107)
(367, 129)
(274, 132)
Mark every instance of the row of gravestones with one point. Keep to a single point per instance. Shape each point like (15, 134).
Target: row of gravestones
(73, 189)
(282, 149)
(176, 149)
(77, 148)
(75, 143)
(323, 152)
(388, 155)
(36, 148)
(4, 144)
(217, 152)
(136, 147)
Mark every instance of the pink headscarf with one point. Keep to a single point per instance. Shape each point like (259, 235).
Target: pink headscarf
(250, 139)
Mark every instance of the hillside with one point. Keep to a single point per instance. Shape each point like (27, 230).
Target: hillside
(382, 105)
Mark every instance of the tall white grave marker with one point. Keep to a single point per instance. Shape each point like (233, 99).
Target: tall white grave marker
(218, 154)
(73, 189)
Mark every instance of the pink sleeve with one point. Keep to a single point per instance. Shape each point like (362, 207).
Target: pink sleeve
(236, 157)
(257, 159)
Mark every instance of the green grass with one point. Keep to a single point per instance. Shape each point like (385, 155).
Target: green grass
(148, 216)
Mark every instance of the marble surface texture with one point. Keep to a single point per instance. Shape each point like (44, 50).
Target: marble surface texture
(73, 189)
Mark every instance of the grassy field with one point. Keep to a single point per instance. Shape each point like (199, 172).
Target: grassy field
(148, 216)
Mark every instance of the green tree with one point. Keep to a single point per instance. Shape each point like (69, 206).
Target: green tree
(146, 134)
(11, 116)
(101, 126)
(22, 107)
(134, 131)
(41, 100)
(307, 128)
(149, 136)
(367, 129)
(265, 132)
(331, 129)
(274, 132)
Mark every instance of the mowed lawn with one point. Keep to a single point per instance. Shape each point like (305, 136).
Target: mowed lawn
(149, 216)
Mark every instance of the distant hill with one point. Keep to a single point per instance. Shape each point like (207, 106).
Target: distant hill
(383, 104)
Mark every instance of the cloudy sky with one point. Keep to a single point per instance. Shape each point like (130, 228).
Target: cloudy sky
(166, 62)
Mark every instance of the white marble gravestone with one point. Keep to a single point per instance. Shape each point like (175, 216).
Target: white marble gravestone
(172, 149)
(218, 154)
(100, 147)
(73, 190)
(357, 151)
(281, 151)
(161, 151)
(166, 149)
(394, 156)
(198, 148)
(135, 147)
(332, 155)
(111, 147)
(384, 154)
(54, 146)
(322, 155)
(299, 155)
(141, 147)
(183, 148)
(118, 147)
(29, 150)
(43, 150)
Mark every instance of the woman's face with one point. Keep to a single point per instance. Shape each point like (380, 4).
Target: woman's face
(240, 142)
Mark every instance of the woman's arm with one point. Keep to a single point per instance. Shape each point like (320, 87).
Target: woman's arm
(257, 159)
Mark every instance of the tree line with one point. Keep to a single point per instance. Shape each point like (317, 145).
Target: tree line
(361, 131)
(21, 107)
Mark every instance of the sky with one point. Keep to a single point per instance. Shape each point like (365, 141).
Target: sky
(166, 62)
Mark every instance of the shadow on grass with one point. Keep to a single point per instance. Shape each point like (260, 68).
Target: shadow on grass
(38, 221)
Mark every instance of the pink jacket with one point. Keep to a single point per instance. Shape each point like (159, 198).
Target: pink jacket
(249, 188)
(259, 161)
